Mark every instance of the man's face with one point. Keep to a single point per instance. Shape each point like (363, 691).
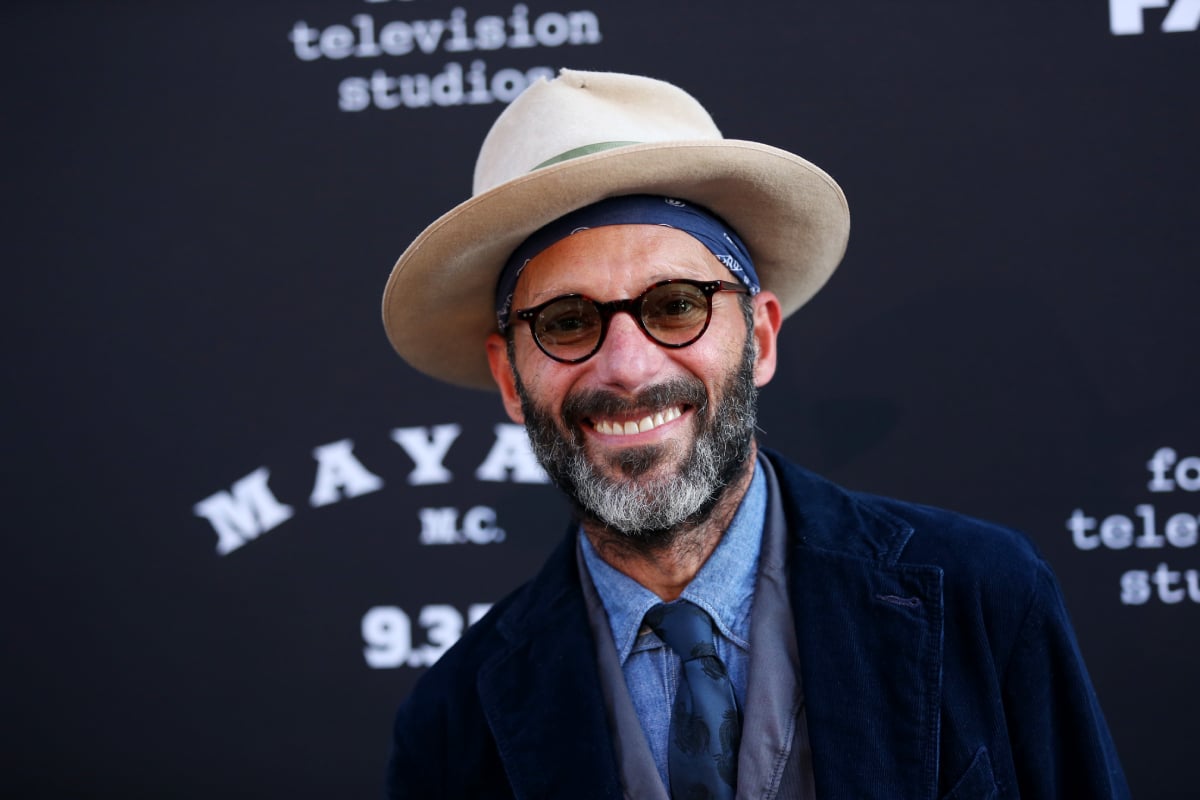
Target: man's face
(643, 437)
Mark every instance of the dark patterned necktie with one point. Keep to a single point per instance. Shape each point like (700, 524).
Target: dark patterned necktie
(706, 725)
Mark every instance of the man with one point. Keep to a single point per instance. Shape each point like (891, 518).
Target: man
(718, 621)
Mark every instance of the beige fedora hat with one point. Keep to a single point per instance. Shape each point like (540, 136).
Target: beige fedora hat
(580, 138)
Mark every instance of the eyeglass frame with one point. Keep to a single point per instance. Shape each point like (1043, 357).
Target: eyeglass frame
(631, 306)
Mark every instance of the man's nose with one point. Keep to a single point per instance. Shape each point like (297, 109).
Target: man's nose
(628, 358)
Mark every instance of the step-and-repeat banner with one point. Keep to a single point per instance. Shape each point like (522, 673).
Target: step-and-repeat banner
(240, 527)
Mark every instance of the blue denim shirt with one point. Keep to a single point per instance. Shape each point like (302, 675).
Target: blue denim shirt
(724, 588)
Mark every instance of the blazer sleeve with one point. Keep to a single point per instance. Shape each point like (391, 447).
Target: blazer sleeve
(1061, 745)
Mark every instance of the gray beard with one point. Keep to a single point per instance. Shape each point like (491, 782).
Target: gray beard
(650, 510)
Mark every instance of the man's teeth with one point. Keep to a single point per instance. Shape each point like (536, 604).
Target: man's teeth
(647, 423)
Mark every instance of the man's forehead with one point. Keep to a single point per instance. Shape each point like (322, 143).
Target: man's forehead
(617, 254)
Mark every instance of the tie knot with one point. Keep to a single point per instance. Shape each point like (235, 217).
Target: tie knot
(685, 627)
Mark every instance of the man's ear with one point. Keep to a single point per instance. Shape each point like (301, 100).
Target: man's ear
(502, 372)
(768, 318)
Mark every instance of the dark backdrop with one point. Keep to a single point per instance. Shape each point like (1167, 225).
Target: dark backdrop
(203, 201)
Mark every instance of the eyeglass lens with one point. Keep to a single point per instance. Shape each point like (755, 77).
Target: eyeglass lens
(674, 314)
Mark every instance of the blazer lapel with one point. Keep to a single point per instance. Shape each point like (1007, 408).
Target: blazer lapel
(869, 633)
(870, 643)
(542, 695)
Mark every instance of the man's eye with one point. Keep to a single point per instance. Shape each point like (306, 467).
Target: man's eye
(563, 324)
(679, 305)
(675, 308)
(567, 321)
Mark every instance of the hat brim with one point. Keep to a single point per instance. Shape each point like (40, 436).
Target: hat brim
(439, 304)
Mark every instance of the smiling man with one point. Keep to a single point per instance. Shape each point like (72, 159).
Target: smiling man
(653, 439)
(719, 622)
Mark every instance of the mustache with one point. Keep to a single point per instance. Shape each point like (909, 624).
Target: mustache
(599, 402)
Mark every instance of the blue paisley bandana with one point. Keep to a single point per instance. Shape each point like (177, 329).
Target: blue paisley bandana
(639, 209)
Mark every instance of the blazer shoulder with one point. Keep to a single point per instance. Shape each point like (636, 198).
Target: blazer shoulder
(829, 516)
(992, 566)
(940, 533)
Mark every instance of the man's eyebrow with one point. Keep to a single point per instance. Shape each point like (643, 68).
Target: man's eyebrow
(543, 295)
(547, 294)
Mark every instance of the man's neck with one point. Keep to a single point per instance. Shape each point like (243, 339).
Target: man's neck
(668, 568)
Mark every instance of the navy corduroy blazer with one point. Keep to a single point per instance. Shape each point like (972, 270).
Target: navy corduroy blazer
(936, 657)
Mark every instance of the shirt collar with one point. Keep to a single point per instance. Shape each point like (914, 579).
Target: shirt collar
(724, 587)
